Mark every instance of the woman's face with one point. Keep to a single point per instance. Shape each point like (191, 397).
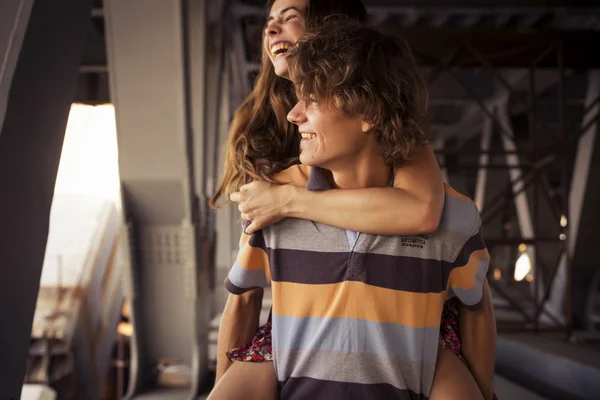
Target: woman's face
(285, 25)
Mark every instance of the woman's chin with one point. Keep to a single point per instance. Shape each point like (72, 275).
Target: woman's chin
(281, 68)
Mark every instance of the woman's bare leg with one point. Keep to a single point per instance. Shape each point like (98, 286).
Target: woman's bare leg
(453, 380)
(247, 381)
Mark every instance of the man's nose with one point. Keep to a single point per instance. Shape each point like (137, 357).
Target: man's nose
(297, 115)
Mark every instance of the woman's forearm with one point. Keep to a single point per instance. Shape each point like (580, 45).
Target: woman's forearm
(478, 342)
(384, 211)
(238, 325)
(412, 206)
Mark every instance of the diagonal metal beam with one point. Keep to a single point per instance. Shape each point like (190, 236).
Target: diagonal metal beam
(525, 180)
(512, 160)
(484, 159)
(583, 157)
(513, 303)
(579, 181)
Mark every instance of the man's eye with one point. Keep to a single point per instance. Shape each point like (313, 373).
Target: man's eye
(290, 17)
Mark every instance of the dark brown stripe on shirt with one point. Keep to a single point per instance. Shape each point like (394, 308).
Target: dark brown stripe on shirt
(390, 272)
(233, 289)
(257, 239)
(418, 275)
(311, 389)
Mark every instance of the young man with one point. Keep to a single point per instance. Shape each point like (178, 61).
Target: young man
(358, 315)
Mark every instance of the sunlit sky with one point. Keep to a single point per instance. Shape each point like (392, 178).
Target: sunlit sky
(89, 160)
(87, 188)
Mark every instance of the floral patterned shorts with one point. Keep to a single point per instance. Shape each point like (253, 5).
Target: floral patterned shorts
(259, 350)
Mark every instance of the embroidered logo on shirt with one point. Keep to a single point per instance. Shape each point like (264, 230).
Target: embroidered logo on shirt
(415, 241)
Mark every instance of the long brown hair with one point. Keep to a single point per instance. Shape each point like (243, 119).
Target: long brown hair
(261, 141)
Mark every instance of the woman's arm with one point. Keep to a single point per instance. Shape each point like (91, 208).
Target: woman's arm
(238, 325)
(478, 341)
(413, 206)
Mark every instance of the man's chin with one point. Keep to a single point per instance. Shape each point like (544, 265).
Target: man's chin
(307, 161)
(310, 161)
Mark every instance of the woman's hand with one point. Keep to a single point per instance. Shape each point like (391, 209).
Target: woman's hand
(263, 203)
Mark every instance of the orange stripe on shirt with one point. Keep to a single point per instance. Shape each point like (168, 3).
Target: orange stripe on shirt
(253, 258)
(357, 300)
(464, 277)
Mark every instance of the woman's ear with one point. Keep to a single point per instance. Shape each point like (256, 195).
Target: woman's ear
(367, 126)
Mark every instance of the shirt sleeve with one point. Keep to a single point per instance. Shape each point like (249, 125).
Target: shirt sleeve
(469, 270)
(251, 267)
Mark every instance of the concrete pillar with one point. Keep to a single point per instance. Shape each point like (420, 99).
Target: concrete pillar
(156, 56)
(37, 86)
(227, 217)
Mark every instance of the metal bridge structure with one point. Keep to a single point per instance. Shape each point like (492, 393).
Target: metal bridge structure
(514, 110)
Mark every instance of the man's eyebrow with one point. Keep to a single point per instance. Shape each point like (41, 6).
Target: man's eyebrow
(283, 11)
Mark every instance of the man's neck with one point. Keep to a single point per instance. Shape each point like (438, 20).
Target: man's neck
(362, 173)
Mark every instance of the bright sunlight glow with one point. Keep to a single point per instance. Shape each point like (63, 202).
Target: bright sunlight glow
(89, 160)
(522, 266)
(563, 221)
(86, 184)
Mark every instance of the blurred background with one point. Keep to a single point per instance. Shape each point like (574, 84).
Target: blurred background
(114, 115)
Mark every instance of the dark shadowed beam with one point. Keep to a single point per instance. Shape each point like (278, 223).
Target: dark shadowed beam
(584, 218)
(14, 15)
(467, 3)
(502, 48)
(42, 90)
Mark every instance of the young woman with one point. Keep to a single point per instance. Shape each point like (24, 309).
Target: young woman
(262, 143)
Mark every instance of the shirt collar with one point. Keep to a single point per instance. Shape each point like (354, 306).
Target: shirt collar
(318, 180)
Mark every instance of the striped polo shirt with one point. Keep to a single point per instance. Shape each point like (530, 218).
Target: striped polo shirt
(361, 322)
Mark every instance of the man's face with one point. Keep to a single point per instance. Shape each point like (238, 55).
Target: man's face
(329, 137)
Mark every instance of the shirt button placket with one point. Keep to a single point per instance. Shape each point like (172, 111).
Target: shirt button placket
(356, 268)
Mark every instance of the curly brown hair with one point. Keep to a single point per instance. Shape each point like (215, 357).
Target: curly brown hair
(261, 141)
(362, 71)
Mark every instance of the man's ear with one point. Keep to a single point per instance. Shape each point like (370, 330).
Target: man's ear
(367, 126)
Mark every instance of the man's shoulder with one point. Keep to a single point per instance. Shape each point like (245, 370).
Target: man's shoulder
(295, 175)
(460, 213)
(450, 191)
